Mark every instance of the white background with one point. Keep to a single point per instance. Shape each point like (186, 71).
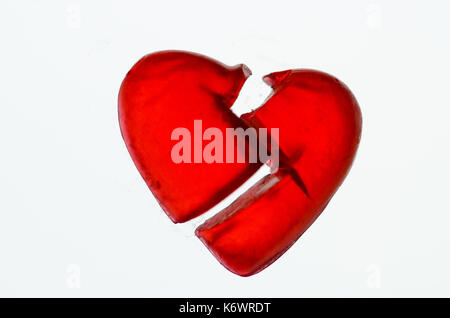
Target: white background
(76, 219)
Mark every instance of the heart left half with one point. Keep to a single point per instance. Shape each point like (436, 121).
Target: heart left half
(172, 89)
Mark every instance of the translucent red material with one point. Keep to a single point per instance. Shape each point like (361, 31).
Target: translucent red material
(319, 125)
(167, 90)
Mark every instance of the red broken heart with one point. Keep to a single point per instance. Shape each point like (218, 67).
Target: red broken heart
(319, 125)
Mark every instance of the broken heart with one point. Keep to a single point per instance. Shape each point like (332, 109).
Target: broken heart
(319, 124)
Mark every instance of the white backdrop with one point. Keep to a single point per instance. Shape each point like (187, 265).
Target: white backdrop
(76, 219)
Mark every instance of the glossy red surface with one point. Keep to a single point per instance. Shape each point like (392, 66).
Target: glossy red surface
(167, 90)
(319, 125)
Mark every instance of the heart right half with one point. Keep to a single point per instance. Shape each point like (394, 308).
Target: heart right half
(320, 127)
